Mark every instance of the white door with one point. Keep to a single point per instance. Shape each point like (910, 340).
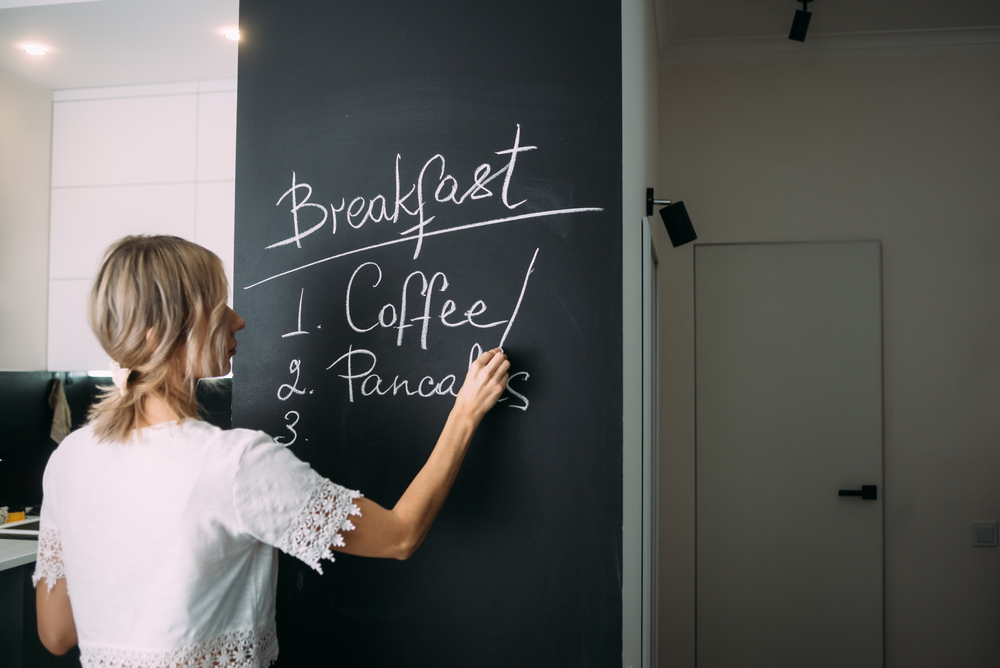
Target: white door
(789, 412)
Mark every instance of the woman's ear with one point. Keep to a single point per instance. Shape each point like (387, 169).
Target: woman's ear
(151, 340)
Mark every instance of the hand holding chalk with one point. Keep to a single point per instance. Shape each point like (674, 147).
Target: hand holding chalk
(484, 383)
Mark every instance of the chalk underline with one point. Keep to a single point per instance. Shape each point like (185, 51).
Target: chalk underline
(458, 228)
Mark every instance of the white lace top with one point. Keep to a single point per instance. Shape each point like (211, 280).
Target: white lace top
(167, 542)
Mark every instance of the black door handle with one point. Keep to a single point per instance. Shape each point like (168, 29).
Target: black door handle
(867, 492)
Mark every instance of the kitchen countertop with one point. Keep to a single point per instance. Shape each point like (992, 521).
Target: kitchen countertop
(15, 553)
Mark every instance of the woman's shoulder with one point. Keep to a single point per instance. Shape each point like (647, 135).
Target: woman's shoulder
(75, 440)
(228, 440)
(204, 430)
(84, 434)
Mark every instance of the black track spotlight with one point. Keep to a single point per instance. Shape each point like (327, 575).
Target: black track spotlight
(800, 24)
(675, 219)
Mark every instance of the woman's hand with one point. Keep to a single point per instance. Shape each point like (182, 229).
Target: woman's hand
(484, 383)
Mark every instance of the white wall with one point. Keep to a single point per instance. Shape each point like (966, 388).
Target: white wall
(131, 160)
(638, 172)
(905, 150)
(25, 150)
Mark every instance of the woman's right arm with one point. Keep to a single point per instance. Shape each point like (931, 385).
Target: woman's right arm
(397, 533)
(56, 627)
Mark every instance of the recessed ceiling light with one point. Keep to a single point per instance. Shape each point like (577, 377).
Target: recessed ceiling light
(232, 33)
(35, 49)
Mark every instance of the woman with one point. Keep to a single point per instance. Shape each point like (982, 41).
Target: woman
(188, 575)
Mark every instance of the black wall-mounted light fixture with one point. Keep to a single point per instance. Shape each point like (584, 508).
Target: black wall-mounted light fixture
(675, 219)
(800, 24)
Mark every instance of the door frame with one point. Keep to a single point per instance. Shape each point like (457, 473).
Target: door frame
(654, 242)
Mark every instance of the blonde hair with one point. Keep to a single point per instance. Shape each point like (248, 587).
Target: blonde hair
(158, 308)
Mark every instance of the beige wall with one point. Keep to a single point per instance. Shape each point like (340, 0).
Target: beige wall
(25, 153)
(907, 151)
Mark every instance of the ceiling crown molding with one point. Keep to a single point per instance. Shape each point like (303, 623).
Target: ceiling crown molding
(10, 4)
(820, 46)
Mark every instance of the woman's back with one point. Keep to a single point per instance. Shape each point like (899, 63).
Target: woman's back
(167, 540)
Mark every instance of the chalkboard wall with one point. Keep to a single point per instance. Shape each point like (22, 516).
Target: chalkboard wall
(417, 182)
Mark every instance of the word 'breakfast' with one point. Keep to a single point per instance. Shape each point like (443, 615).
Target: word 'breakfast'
(414, 203)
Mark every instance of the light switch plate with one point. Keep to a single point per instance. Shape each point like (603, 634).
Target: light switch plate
(984, 534)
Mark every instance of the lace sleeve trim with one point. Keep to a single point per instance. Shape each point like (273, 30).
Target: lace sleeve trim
(49, 564)
(317, 527)
(250, 648)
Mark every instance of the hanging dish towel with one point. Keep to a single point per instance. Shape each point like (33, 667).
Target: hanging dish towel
(62, 419)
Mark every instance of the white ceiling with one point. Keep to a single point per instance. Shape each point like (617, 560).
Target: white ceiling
(117, 42)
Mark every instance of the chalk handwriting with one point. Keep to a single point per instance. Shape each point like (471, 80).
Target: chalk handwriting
(510, 379)
(419, 302)
(357, 213)
(298, 236)
(298, 329)
(434, 184)
(474, 353)
(371, 383)
(517, 307)
(290, 427)
(389, 316)
(287, 389)
(510, 166)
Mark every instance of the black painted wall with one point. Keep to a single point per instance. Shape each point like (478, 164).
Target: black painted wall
(343, 108)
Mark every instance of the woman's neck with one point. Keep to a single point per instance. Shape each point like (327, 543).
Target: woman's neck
(157, 411)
